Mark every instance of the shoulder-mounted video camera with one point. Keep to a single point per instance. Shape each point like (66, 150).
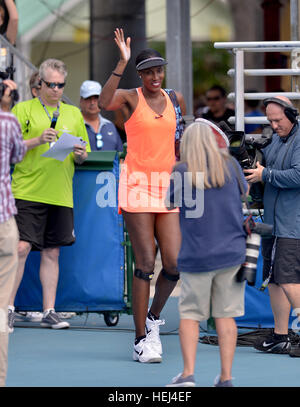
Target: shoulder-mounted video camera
(247, 152)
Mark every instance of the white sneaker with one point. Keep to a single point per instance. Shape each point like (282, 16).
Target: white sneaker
(152, 328)
(34, 316)
(52, 320)
(144, 353)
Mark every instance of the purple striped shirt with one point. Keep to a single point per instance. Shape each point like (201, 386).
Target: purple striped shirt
(12, 150)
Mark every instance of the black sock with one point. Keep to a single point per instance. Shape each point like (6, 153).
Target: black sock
(138, 339)
(152, 316)
(280, 336)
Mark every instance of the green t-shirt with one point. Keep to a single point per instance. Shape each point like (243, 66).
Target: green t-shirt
(42, 179)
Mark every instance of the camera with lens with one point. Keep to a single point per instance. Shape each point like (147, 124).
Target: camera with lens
(255, 231)
(6, 72)
(14, 93)
(248, 152)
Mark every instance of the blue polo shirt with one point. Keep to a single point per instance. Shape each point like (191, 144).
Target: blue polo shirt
(110, 136)
(216, 238)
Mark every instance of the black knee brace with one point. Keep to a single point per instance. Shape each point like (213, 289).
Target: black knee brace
(144, 276)
(170, 277)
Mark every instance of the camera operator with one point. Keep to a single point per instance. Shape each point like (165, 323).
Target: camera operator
(12, 150)
(281, 176)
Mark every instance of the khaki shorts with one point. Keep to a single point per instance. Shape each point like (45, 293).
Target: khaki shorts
(215, 293)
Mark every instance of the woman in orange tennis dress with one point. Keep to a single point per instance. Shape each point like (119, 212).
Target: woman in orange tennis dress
(150, 124)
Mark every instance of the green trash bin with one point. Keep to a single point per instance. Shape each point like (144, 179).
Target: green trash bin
(104, 161)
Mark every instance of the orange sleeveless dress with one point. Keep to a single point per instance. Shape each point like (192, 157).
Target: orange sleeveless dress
(145, 173)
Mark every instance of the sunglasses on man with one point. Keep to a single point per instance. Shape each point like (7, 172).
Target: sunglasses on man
(52, 85)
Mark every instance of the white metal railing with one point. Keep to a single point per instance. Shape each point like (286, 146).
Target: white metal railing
(269, 72)
(263, 95)
(238, 73)
(260, 46)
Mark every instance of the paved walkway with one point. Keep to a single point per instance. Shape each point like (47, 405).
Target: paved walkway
(90, 354)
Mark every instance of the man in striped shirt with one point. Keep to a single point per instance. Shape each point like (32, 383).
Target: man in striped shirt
(12, 150)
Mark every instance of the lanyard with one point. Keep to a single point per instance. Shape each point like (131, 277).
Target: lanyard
(47, 113)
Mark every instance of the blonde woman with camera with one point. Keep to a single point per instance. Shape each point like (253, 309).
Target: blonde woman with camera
(205, 187)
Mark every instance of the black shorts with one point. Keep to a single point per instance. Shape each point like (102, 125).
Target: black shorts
(44, 225)
(286, 268)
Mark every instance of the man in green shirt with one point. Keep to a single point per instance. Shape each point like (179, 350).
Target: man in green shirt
(42, 186)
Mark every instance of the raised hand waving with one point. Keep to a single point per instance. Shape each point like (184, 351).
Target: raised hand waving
(124, 46)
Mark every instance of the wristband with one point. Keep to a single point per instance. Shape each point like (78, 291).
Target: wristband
(117, 74)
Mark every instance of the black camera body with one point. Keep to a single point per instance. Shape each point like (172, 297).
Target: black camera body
(6, 75)
(248, 152)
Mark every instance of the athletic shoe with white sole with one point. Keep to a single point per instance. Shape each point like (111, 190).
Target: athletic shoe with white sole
(152, 337)
(279, 344)
(52, 320)
(179, 381)
(144, 353)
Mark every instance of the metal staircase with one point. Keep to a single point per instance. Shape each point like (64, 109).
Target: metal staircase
(239, 72)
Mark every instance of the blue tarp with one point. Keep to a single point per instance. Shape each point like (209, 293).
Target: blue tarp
(91, 270)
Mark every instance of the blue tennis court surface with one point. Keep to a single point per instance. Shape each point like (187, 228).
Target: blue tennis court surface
(91, 354)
